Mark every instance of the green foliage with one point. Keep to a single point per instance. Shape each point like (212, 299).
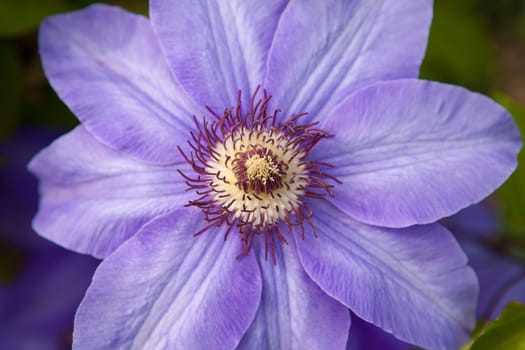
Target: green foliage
(10, 263)
(10, 89)
(460, 50)
(501, 15)
(26, 98)
(22, 16)
(505, 333)
(19, 17)
(512, 193)
(137, 6)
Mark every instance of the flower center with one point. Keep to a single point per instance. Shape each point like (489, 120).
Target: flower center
(253, 173)
(260, 170)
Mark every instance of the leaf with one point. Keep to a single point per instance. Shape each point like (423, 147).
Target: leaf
(505, 333)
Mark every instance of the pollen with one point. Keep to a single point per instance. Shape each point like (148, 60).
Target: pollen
(253, 173)
(260, 169)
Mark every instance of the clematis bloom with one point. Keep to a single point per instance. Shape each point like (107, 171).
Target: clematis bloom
(250, 171)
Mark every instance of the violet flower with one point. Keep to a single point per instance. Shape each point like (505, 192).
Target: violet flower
(38, 305)
(37, 310)
(365, 336)
(231, 219)
(501, 276)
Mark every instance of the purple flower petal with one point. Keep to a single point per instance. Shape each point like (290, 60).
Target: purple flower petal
(366, 336)
(18, 187)
(166, 289)
(93, 198)
(107, 66)
(412, 282)
(501, 280)
(294, 313)
(477, 222)
(217, 48)
(42, 301)
(325, 50)
(417, 151)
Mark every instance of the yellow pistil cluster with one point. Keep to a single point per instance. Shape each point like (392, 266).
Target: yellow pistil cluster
(261, 168)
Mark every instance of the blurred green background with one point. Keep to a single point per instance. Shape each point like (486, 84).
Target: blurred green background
(478, 44)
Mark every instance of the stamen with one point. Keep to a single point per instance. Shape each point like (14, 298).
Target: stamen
(260, 168)
(252, 171)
